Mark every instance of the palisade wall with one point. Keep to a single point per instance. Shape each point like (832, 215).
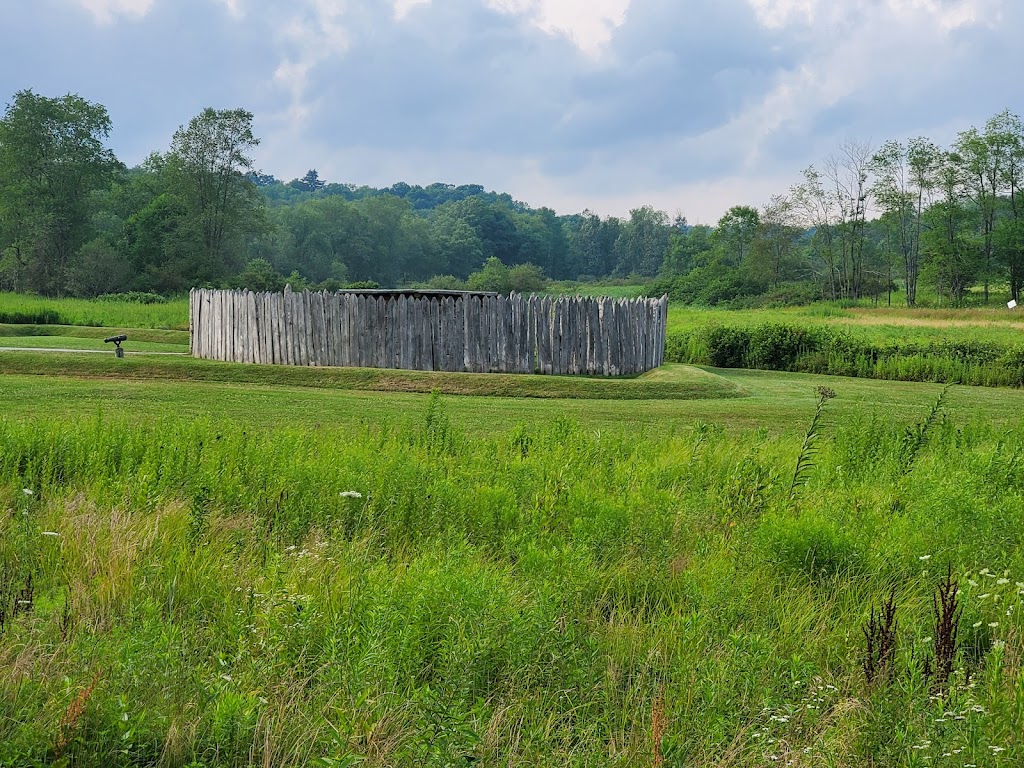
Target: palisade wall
(447, 332)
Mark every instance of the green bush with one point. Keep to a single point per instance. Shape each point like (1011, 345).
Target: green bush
(825, 350)
(727, 347)
(779, 347)
(134, 297)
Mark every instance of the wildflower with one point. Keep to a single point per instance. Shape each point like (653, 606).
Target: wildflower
(985, 572)
(998, 749)
(50, 533)
(1002, 581)
(28, 491)
(982, 597)
(925, 557)
(975, 625)
(351, 495)
(993, 624)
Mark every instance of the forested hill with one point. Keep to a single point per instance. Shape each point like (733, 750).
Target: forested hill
(420, 198)
(74, 220)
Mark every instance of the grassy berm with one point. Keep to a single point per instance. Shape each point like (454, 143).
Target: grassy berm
(200, 593)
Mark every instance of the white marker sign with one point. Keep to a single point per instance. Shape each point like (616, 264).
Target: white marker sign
(1011, 304)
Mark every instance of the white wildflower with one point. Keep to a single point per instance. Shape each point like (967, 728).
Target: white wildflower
(351, 495)
(28, 491)
(925, 557)
(50, 533)
(1002, 581)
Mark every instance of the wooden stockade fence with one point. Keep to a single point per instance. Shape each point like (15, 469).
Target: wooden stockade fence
(444, 332)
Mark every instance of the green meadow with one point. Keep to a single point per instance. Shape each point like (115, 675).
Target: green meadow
(207, 564)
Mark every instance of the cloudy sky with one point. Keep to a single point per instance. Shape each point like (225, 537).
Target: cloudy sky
(689, 105)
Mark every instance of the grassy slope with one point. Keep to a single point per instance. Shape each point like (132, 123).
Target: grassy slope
(10, 331)
(269, 396)
(685, 382)
(95, 344)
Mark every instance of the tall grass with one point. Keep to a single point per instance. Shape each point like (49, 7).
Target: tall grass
(113, 313)
(828, 350)
(407, 595)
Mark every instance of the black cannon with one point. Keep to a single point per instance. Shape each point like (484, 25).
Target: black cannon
(117, 343)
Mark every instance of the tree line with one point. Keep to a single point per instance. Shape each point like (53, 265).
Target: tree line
(74, 220)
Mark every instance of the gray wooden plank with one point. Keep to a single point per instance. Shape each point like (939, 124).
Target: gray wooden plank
(384, 355)
(344, 337)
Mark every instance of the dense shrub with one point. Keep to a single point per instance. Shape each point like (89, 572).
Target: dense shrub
(727, 347)
(134, 297)
(787, 295)
(779, 347)
(710, 286)
(825, 350)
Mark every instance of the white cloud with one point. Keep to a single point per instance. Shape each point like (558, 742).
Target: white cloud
(314, 33)
(403, 7)
(589, 24)
(234, 8)
(775, 14)
(853, 50)
(104, 11)
(606, 104)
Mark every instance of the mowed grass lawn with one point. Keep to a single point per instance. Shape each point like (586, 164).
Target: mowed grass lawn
(665, 400)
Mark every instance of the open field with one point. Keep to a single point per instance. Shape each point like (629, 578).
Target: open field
(665, 400)
(93, 335)
(230, 585)
(23, 308)
(77, 342)
(883, 325)
(210, 564)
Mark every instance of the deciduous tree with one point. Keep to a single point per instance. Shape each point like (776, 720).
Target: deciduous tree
(52, 157)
